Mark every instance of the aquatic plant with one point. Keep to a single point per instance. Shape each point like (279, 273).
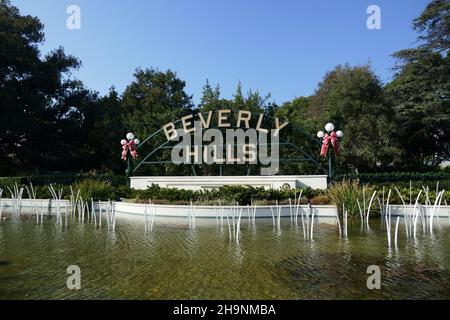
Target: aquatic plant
(97, 190)
(352, 197)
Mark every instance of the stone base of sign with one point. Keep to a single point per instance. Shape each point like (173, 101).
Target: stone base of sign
(211, 182)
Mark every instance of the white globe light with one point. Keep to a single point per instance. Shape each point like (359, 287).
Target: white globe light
(123, 142)
(329, 127)
(339, 133)
(130, 136)
(136, 141)
(320, 134)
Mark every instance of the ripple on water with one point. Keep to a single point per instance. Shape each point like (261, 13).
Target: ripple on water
(175, 262)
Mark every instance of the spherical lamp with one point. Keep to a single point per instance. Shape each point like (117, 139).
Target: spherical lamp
(329, 127)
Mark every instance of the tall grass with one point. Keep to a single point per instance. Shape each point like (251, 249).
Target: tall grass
(98, 190)
(348, 193)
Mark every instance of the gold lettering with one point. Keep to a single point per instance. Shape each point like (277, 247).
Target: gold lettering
(244, 116)
(258, 125)
(187, 124)
(223, 117)
(169, 130)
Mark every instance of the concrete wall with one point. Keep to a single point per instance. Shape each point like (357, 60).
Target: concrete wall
(400, 210)
(209, 211)
(129, 208)
(213, 212)
(210, 182)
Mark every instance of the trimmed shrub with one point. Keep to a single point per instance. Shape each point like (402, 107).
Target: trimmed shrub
(225, 195)
(63, 179)
(402, 179)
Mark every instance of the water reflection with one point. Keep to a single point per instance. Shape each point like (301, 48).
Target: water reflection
(177, 262)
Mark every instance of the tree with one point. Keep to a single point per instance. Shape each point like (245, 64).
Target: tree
(151, 100)
(109, 131)
(299, 112)
(210, 96)
(421, 99)
(420, 93)
(435, 23)
(74, 122)
(352, 99)
(30, 87)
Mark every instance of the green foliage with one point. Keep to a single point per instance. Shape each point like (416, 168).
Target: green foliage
(226, 195)
(153, 99)
(32, 87)
(434, 24)
(408, 195)
(251, 101)
(57, 120)
(65, 127)
(346, 191)
(105, 126)
(98, 190)
(402, 179)
(352, 98)
(302, 131)
(420, 93)
(348, 194)
(63, 179)
(421, 100)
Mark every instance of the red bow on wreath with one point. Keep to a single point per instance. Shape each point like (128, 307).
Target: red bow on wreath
(326, 141)
(129, 146)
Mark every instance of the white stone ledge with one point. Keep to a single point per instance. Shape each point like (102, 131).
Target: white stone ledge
(400, 210)
(210, 182)
(214, 211)
(203, 211)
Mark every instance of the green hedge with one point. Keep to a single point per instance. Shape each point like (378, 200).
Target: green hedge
(402, 179)
(102, 190)
(104, 187)
(97, 190)
(63, 179)
(227, 194)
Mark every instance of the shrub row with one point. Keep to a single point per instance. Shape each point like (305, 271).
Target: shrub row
(345, 192)
(89, 188)
(227, 195)
(64, 179)
(402, 179)
(385, 178)
(101, 190)
(354, 195)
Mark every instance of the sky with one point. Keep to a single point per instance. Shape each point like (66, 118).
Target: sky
(279, 47)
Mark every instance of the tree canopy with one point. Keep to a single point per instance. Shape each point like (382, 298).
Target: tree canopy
(51, 122)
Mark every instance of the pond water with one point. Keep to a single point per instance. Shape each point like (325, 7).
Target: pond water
(175, 262)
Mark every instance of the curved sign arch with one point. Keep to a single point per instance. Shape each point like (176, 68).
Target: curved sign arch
(225, 137)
